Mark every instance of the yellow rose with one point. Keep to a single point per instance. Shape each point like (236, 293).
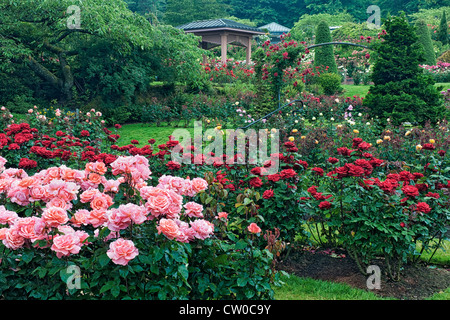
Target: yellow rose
(379, 141)
(387, 138)
(294, 130)
(355, 131)
(303, 137)
(418, 147)
(291, 138)
(432, 141)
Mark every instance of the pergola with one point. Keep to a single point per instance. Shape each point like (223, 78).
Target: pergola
(221, 32)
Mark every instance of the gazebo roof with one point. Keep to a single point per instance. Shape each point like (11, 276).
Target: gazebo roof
(275, 28)
(219, 24)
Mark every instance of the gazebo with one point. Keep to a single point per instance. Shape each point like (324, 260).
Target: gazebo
(221, 32)
(275, 31)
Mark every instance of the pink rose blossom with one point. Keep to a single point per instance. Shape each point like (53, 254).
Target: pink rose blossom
(169, 228)
(203, 229)
(193, 209)
(66, 244)
(13, 240)
(122, 251)
(54, 216)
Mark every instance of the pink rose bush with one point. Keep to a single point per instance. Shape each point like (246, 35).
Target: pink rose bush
(69, 206)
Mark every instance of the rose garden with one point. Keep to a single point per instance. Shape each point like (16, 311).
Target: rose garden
(94, 204)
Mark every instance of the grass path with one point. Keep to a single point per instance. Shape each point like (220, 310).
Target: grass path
(361, 90)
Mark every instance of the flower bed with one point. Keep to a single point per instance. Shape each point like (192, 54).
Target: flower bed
(160, 229)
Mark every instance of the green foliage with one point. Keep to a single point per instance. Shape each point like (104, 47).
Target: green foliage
(179, 12)
(324, 56)
(352, 30)
(331, 83)
(443, 30)
(275, 69)
(306, 26)
(401, 91)
(423, 33)
(114, 57)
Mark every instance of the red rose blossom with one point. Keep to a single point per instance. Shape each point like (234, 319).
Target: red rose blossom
(268, 194)
(423, 207)
(410, 191)
(324, 205)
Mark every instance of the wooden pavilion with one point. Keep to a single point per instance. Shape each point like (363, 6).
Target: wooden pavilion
(221, 32)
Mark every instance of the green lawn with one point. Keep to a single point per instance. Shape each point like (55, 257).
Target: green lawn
(143, 132)
(361, 90)
(297, 288)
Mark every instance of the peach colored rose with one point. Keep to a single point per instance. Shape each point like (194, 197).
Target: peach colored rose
(54, 216)
(68, 174)
(7, 216)
(69, 191)
(13, 240)
(101, 202)
(117, 220)
(65, 245)
(222, 215)
(52, 174)
(99, 167)
(97, 218)
(122, 251)
(169, 228)
(111, 186)
(199, 184)
(5, 184)
(19, 195)
(253, 228)
(38, 192)
(95, 178)
(30, 228)
(80, 217)
(203, 229)
(60, 203)
(88, 195)
(193, 209)
(27, 182)
(158, 205)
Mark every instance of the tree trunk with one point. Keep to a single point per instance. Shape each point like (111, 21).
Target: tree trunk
(64, 84)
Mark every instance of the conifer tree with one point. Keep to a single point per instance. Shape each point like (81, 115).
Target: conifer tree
(401, 90)
(443, 30)
(423, 32)
(324, 56)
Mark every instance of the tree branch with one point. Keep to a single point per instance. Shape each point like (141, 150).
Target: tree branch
(69, 32)
(43, 72)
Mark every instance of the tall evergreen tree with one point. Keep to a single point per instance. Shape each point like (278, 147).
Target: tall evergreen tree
(443, 30)
(423, 32)
(324, 56)
(401, 91)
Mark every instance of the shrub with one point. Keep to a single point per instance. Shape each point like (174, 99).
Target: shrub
(375, 212)
(331, 83)
(401, 91)
(424, 35)
(324, 56)
(129, 240)
(443, 30)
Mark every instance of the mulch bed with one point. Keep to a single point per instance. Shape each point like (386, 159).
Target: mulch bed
(417, 281)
